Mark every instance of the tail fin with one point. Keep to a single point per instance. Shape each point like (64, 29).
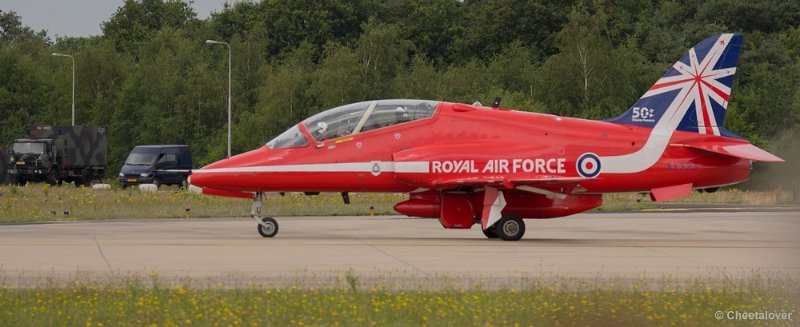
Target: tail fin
(693, 94)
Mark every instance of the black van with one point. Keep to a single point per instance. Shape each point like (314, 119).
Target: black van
(157, 164)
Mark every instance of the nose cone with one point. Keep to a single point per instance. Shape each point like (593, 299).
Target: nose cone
(229, 174)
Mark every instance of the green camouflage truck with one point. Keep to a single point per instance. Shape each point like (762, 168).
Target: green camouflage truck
(57, 154)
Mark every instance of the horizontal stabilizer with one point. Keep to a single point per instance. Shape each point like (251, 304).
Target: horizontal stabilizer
(739, 150)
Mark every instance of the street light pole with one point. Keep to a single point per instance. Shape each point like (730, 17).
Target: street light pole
(56, 54)
(210, 42)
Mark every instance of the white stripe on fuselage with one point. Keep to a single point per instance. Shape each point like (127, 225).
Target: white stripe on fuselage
(652, 150)
(354, 167)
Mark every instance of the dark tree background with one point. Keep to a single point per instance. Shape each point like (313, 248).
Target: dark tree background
(151, 79)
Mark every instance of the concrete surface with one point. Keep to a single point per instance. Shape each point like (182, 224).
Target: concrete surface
(604, 245)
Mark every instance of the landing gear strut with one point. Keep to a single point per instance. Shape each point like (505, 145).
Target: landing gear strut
(267, 226)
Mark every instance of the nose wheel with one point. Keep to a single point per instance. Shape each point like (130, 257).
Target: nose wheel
(267, 226)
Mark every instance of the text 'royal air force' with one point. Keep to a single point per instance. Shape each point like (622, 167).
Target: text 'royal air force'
(498, 166)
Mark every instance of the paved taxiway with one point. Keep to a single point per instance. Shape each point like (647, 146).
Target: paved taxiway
(639, 245)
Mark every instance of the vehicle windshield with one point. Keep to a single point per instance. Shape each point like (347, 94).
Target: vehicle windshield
(336, 122)
(29, 148)
(291, 138)
(138, 158)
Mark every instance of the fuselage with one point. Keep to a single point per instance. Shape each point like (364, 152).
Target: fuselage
(470, 142)
(467, 164)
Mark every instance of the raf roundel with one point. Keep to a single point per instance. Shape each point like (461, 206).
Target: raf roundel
(588, 165)
(376, 168)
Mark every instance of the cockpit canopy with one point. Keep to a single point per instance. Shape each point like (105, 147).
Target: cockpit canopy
(353, 119)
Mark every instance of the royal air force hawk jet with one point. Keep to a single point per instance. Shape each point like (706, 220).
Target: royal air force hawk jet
(468, 164)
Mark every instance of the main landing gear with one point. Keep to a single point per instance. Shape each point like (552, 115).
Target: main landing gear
(508, 228)
(267, 226)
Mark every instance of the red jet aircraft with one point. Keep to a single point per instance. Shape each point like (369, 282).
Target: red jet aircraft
(467, 164)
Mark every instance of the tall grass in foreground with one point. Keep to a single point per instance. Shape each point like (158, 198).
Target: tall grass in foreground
(41, 202)
(632, 303)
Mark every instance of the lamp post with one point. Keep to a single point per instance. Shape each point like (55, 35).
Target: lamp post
(211, 42)
(56, 54)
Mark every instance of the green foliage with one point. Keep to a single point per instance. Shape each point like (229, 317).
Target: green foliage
(434, 27)
(12, 30)
(590, 77)
(137, 20)
(22, 89)
(419, 80)
(492, 25)
(151, 79)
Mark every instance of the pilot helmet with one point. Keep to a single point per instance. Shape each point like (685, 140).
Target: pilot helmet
(322, 127)
(401, 112)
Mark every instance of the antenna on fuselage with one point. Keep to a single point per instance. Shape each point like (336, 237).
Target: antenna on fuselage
(496, 103)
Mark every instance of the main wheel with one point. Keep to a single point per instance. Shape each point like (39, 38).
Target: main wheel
(510, 228)
(270, 230)
(490, 232)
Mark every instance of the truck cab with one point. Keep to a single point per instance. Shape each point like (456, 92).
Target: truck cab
(34, 160)
(157, 164)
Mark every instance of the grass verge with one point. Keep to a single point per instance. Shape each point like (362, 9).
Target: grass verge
(566, 302)
(40, 202)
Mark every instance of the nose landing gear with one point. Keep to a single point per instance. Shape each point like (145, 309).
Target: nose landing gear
(267, 226)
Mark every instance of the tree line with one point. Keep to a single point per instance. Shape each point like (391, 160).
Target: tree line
(151, 79)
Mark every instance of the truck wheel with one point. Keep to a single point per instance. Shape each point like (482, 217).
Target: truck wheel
(157, 183)
(51, 177)
(86, 178)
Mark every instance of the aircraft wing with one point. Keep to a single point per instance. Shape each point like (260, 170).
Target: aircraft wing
(548, 181)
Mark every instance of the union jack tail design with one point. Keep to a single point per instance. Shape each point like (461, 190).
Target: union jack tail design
(693, 94)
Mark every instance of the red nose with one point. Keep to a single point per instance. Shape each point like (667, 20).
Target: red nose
(229, 174)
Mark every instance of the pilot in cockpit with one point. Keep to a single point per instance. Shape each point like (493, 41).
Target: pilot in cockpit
(401, 114)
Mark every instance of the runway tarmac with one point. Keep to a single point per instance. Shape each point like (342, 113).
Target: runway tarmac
(603, 245)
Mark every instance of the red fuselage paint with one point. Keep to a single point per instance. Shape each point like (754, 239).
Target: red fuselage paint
(474, 142)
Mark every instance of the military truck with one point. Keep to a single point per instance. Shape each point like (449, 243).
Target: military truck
(6, 161)
(57, 154)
